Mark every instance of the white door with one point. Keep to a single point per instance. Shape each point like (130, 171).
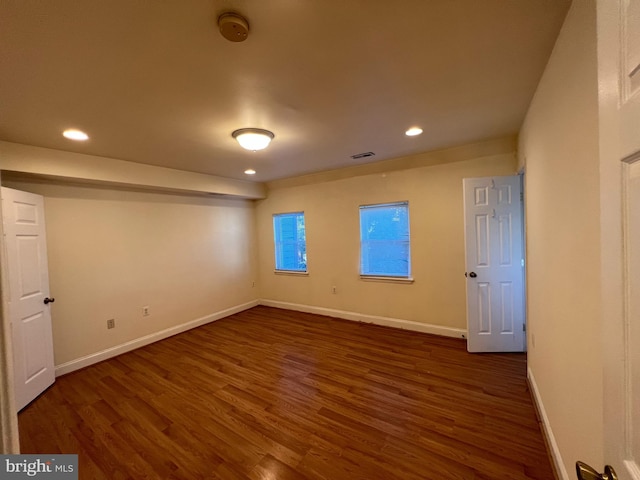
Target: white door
(618, 26)
(494, 253)
(29, 302)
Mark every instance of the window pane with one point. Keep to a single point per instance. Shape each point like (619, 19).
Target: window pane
(384, 240)
(290, 241)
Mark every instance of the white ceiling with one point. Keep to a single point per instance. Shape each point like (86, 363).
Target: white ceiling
(154, 82)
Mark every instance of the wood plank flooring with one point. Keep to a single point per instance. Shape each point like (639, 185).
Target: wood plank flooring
(270, 394)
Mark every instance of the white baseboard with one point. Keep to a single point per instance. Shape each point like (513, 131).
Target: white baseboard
(93, 358)
(555, 451)
(360, 317)
(87, 360)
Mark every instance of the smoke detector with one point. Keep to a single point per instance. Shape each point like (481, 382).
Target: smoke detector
(233, 27)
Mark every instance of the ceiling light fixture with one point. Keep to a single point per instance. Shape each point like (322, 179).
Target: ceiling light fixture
(77, 135)
(253, 138)
(413, 131)
(250, 171)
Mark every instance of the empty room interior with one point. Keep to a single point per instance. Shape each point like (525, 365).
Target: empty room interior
(425, 270)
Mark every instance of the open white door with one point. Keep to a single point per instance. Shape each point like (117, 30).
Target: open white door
(618, 25)
(29, 302)
(494, 248)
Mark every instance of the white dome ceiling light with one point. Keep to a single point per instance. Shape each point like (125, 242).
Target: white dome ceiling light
(253, 138)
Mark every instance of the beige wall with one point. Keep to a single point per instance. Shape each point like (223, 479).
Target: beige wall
(434, 192)
(111, 252)
(114, 250)
(559, 145)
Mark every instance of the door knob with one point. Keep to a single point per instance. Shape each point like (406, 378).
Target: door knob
(48, 300)
(585, 472)
(473, 275)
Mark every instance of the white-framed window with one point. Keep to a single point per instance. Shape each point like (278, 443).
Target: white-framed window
(385, 249)
(290, 242)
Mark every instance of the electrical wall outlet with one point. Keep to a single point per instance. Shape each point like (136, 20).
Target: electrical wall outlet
(111, 323)
(145, 311)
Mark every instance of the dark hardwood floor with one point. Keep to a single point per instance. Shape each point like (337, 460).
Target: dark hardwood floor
(277, 395)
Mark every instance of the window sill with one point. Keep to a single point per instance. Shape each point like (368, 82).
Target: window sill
(294, 273)
(373, 278)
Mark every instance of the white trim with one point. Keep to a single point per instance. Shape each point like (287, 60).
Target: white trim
(93, 358)
(378, 278)
(555, 451)
(632, 469)
(9, 431)
(87, 360)
(360, 317)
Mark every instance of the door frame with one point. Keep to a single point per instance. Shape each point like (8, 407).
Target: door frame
(9, 436)
(525, 313)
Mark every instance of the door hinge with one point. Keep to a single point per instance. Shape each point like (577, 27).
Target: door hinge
(522, 196)
(524, 327)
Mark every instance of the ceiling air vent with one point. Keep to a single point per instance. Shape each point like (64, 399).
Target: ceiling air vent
(362, 155)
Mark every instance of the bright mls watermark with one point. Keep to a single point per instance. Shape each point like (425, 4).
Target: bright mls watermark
(52, 467)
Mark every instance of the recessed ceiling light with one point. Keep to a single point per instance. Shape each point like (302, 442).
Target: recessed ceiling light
(413, 131)
(73, 134)
(250, 171)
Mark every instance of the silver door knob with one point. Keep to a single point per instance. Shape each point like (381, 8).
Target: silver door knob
(586, 472)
